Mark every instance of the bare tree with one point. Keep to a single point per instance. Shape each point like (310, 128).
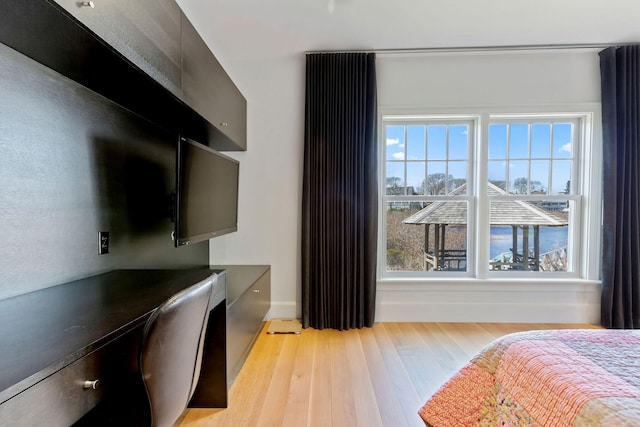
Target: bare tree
(521, 186)
(438, 184)
(393, 181)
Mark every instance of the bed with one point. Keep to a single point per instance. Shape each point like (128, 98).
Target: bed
(586, 377)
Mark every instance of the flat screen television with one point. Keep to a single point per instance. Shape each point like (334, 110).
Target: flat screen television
(206, 193)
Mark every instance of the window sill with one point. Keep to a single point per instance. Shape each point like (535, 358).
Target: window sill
(507, 284)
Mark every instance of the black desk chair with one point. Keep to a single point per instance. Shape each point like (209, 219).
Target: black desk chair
(171, 352)
(158, 372)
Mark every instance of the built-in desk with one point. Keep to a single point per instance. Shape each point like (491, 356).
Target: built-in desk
(53, 340)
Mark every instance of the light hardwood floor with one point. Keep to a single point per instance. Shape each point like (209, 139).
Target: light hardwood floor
(370, 377)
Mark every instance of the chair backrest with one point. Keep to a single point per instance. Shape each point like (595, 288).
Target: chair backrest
(171, 351)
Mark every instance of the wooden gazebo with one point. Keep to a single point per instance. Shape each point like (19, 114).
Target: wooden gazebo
(515, 213)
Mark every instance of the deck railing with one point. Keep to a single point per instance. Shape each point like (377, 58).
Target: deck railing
(553, 260)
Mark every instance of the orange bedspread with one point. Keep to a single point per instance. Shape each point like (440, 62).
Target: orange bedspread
(545, 378)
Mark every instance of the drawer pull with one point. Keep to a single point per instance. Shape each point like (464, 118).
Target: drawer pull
(87, 4)
(93, 385)
(256, 291)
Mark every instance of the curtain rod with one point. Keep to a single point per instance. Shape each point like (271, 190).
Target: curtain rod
(479, 48)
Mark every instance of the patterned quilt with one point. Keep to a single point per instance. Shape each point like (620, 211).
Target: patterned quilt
(587, 377)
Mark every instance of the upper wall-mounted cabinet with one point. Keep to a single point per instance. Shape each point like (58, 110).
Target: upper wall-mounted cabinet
(146, 32)
(210, 91)
(158, 39)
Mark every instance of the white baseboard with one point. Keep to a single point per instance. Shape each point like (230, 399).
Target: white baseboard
(285, 310)
(467, 312)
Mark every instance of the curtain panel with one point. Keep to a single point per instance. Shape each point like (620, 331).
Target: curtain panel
(620, 78)
(340, 192)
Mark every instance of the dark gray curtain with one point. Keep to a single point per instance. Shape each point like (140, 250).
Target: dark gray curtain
(340, 194)
(620, 75)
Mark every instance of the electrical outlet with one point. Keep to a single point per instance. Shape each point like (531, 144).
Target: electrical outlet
(103, 242)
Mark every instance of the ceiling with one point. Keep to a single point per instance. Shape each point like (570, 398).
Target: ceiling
(266, 29)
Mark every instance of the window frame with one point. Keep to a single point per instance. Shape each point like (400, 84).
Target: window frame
(427, 120)
(585, 192)
(575, 195)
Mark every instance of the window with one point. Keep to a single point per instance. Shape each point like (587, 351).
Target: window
(532, 203)
(427, 193)
(523, 217)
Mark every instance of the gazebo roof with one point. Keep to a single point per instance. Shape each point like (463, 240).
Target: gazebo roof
(503, 212)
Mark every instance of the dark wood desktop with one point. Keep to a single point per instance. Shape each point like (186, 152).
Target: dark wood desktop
(67, 348)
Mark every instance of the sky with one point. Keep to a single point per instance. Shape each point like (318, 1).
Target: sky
(509, 146)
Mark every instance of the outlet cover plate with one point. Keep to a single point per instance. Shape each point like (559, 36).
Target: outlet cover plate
(103, 242)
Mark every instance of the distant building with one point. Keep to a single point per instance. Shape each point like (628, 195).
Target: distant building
(554, 205)
(409, 190)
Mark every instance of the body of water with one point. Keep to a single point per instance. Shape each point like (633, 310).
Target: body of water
(550, 238)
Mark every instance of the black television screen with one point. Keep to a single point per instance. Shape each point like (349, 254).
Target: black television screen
(206, 193)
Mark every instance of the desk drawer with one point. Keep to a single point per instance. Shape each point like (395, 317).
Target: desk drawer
(61, 399)
(244, 322)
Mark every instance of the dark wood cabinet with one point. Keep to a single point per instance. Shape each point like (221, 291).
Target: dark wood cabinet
(59, 400)
(143, 55)
(248, 302)
(208, 89)
(158, 39)
(146, 32)
(67, 395)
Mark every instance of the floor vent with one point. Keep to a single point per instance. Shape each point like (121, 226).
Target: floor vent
(284, 326)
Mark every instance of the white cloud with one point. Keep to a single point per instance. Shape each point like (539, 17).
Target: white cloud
(398, 156)
(392, 141)
(566, 148)
(401, 146)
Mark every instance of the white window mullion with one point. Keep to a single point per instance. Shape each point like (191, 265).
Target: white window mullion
(405, 163)
(482, 232)
(426, 158)
(446, 161)
(551, 160)
(529, 152)
(507, 184)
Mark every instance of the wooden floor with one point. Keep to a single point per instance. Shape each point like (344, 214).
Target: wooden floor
(371, 377)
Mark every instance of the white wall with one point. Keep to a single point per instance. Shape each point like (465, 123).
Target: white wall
(270, 178)
(530, 78)
(271, 175)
